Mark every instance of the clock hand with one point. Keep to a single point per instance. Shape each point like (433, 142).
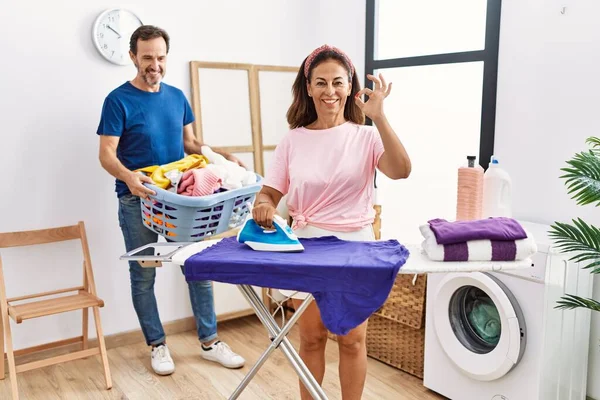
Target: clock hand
(108, 26)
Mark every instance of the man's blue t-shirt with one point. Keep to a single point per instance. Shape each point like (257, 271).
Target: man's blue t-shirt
(149, 124)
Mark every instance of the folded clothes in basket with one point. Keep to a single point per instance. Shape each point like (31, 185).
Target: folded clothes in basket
(199, 182)
(349, 280)
(477, 250)
(233, 176)
(157, 172)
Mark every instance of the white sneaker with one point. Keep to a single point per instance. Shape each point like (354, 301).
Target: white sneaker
(162, 363)
(220, 352)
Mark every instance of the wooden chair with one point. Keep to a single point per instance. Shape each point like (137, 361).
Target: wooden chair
(83, 298)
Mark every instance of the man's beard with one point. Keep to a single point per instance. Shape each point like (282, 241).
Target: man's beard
(147, 79)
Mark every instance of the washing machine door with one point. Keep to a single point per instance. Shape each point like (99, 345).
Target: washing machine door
(479, 324)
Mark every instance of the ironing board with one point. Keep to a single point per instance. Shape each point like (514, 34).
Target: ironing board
(417, 263)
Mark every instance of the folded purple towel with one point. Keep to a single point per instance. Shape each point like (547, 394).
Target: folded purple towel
(501, 250)
(495, 228)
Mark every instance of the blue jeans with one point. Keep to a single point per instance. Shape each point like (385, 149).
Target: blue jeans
(142, 280)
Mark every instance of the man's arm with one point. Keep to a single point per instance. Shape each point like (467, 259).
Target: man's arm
(191, 145)
(110, 162)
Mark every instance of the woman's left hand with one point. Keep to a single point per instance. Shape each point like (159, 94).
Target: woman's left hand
(373, 108)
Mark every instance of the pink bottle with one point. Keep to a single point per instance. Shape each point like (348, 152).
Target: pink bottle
(469, 197)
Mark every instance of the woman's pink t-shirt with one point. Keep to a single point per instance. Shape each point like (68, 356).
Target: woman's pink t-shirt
(328, 175)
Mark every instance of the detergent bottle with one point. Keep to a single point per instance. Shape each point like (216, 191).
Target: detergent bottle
(497, 190)
(469, 194)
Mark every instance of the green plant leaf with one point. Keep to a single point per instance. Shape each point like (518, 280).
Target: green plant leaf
(581, 239)
(594, 142)
(582, 178)
(569, 302)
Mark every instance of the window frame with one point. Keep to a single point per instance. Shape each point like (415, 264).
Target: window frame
(489, 56)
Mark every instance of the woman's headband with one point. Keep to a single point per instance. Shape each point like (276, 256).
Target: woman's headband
(326, 47)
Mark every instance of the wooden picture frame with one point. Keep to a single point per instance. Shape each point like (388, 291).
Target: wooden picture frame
(256, 147)
(274, 98)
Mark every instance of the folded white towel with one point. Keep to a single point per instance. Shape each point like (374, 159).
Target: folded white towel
(476, 250)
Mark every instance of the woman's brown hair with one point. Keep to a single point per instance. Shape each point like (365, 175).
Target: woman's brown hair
(302, 111)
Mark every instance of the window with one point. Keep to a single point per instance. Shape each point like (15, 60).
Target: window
(442, 58)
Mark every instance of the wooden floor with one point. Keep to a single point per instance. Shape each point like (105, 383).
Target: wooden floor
(196, 378)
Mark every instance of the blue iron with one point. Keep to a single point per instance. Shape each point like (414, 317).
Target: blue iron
(282, 239)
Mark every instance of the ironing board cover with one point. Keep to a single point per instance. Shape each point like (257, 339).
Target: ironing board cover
(349, 280)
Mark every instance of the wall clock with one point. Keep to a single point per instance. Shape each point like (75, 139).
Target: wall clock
(111, 32)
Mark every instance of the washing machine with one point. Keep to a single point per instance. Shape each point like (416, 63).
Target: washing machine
(498, 336)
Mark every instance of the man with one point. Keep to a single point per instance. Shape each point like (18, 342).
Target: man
(146, 122)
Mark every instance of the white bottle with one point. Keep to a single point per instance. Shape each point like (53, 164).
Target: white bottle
(497, 187)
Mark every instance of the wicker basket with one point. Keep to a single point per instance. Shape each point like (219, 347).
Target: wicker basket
(396, 332)
(396, 344)
(406, 302)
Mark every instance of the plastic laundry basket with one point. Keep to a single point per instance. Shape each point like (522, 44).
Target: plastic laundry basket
(192, 219)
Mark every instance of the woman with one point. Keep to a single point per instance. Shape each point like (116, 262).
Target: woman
(326, 165)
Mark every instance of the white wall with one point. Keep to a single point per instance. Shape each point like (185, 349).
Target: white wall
(54, 84)
(548, 99)
(51, 94)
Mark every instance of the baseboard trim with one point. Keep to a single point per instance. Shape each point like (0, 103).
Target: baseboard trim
(46, 350)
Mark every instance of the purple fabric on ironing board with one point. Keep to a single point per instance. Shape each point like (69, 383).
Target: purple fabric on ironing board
(349, 280)
(496, 228)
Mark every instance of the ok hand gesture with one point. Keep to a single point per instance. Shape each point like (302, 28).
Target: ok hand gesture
(373, 108)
